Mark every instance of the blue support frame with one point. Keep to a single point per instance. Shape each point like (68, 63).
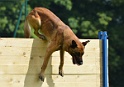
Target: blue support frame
(103, 36)
(20, 15)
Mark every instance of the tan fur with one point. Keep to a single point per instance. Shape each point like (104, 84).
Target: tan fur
(59, 36)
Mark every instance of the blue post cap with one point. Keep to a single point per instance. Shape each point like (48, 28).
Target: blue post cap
(105, 34)
(102, 34)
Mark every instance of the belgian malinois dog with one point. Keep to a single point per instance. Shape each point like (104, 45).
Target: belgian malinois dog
(59, 36)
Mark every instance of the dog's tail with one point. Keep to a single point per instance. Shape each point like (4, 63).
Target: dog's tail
(27, 29)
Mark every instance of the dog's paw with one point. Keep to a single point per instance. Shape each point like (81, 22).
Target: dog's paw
(61, 73)
(41, 77)
(42, 37)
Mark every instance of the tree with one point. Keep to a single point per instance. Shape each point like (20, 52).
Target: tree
(8, 17)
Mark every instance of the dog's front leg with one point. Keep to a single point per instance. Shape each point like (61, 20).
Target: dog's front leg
(51, 48)
(61, 62)
(43, 68)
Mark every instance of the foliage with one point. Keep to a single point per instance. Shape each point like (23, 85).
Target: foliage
(8, 17)
(65, 3)
(85, 17)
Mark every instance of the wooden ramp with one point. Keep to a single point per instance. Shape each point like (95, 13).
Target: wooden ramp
(21, 60)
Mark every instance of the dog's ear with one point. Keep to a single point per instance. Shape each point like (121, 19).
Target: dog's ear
(85, 43)
(73, 45)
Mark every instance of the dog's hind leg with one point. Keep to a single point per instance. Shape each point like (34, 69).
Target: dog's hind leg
(39, 35)
(61, 63)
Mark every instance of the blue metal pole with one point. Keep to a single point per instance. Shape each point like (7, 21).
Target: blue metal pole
(103, 36)
(18, 22)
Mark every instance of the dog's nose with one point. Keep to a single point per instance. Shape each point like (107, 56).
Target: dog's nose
(81, 62)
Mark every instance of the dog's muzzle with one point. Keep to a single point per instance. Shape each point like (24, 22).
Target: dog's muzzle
(77, 60)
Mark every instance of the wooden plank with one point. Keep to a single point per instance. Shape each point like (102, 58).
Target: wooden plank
(87, 53)
(68, 61)
(14, 66)
(24, 81)
(90, 54)
(35, 69)
(23, 69)
(18, 60)
(22, 42)
(12, 78)
(77, 81)
(66, 81)
(37, 62)
(36, 51)
(10, 47)
(77, 78)
(87, 50)
(15, 51)
(21, 60)
(78, 84)
(80, 70)
(10, 51)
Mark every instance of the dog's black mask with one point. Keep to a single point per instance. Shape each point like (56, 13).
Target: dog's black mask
(77, 58)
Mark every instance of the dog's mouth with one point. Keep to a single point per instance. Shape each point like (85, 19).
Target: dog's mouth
(77, 61)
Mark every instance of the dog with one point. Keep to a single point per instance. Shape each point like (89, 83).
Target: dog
(59, 36)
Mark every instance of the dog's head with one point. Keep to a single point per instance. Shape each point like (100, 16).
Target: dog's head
(76, 50)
